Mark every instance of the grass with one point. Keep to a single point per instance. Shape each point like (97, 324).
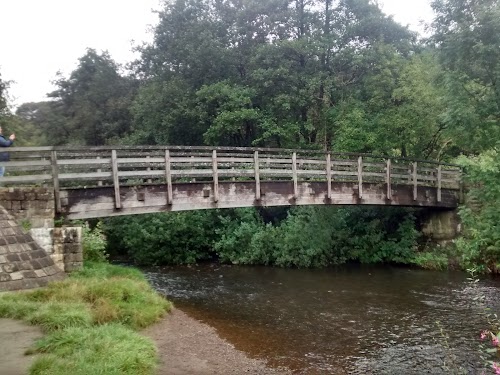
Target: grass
(91, 320)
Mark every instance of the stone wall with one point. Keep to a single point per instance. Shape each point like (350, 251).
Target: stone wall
(442, 227)
(23, 263)
(33, 209)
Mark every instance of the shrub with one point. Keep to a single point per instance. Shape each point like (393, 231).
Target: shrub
(480, 245)
(94, 243)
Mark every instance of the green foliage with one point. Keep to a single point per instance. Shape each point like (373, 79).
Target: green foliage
(467, 34)
(94, 243)
(431, 260)
(164, 238)
(318, 237)
(107, 349)
(480, 244)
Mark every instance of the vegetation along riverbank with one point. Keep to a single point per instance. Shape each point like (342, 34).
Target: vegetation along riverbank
(91, 322)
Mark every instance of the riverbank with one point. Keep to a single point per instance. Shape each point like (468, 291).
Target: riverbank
(90, 321)
(187, 346)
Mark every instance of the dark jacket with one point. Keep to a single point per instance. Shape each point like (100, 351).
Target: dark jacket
(4, 156)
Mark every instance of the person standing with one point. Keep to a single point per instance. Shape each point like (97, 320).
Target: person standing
(4, 156)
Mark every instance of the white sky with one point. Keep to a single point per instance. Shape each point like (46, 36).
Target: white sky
(40, 37)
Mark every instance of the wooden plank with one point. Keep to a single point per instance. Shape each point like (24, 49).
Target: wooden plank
(439, 183)
(85, 162)
(388, 180)
(329, 176)
(143, 174)
(27, 179)
(168, 178)
(415, 181)
(144, 160)
(234, 160)
(85, 176)
(345, 173)
(360, 177)
(116, 180)
(55, 180)
(256, 174)
(191, 159)
(27, 163)
(235, 173)
(215, 176)
(294, 175)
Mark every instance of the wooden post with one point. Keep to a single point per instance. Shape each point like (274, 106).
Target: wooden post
(294, 175)
(360, 177)
(439, 176)
(388, 179)
(329, 175)
(415, 181)
(55, 180)
(116, 180)
(215, 176)
(99, 170)
(257, 175)
(149, 169)
(168, 177)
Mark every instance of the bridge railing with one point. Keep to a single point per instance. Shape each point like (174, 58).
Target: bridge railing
(78, 167)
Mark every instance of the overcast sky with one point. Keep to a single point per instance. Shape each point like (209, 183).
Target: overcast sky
(40, 37)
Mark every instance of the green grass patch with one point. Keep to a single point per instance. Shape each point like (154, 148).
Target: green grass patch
(90, 320)
(106, 349)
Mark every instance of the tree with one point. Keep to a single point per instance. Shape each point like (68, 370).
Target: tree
(94, 102)
(467, 34)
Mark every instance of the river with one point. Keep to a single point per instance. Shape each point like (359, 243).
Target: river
(346, 320)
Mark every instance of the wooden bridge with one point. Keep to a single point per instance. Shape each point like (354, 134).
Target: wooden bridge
(92, 182)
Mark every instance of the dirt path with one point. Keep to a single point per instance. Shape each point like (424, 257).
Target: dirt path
(16, 337)
(187, 346)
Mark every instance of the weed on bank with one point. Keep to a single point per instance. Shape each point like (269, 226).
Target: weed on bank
(91, 319)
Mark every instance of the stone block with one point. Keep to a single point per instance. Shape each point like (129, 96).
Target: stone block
(75, 257)
(16, 276)
(36, 264)
(4, 249)
(7, 205)
(8, 232)
(2, 259)
(16, 205)
(10, 267)
(40, 273)
(30, 195)
(44, 195)
(29, 274)
(15, 195)
(73, 248)
(24, 256)
(73, 266)
(25, 266)
(38, 254)
(13, 257)
(4, 277)
(26, 205)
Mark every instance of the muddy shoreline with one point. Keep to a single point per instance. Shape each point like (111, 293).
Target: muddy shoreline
(187, 346)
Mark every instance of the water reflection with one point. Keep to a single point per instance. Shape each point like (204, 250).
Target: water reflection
(352, 320)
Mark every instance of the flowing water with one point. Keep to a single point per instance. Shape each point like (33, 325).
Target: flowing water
(346, 320)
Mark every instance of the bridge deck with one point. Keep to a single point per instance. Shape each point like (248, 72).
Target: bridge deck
(107, 181)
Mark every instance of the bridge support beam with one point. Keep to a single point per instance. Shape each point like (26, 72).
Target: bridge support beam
(33, 210)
